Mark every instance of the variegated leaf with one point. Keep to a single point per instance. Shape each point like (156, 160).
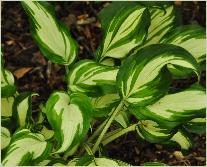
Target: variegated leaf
(52, 37)
(92, 161)
(6, 106)
(190, 37)
(183, 139)
(5, 137)
(125, 26)
(92, 78)
(153, 132)
(175, 109)
(47, 133)
(69, 116)
(143, 78)
(22, 109)
(196, 125)
(162, 20)
(123, 118)
(7, 83)
(103, 105)
(26, 148)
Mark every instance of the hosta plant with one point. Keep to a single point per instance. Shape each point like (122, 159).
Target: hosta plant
(141, 52)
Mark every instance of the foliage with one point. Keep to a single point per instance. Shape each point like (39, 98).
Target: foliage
(151, 52)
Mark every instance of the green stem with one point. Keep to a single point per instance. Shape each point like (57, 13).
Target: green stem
(109, 121)
(97, 131)
(118, 134)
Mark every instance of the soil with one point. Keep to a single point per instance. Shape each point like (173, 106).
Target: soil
(35, 73)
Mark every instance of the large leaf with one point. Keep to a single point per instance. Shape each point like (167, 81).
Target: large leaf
(69, 116)
(6, 106)
(26, 148)
(143, 77)
(22, 109)
(190, 37)
(92, 78)
(124, 26)
(52, 37)
(162, 20)
(175, 109)
(7, 83)
(5, 137)
(196, 125)
(152, 131)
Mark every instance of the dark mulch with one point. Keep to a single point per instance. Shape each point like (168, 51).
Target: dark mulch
(35, 73)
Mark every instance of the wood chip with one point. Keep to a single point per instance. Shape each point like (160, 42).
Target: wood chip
(10, 42)
(178, 155)
(200, 158)
(83, 16)
(87, 21)
(19, 73)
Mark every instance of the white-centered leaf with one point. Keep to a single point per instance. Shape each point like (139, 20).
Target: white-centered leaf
(152, 131)
(175, 109)
(124, 26)
(26, 148)
(144, 77)
(5, 137)
(6, 106)
(162, 20)
(92, 78)
(7, 83)
(190, 37)
(22, 109)
(52, 37)
(69, 116)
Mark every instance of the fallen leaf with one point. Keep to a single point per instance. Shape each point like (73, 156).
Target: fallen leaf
(19, 73)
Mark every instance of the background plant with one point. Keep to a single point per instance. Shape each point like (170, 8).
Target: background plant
(136, 94)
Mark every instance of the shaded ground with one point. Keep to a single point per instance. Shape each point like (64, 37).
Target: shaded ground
(34, 73)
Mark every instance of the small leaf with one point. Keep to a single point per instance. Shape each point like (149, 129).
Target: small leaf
(196, 125)
(47, 133)
(92, 161)
(22, 109)
(143, 78)
(69, 116)
(52, 37)
(183, 139)
(92, 78)
(174, 109)
(7, 83)
(123, 119)
(103, 105)
(5, 137)
(190, 37)
(103, 162)
(6, 106)
(26, 148)
(152, 131)
(125, 26)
